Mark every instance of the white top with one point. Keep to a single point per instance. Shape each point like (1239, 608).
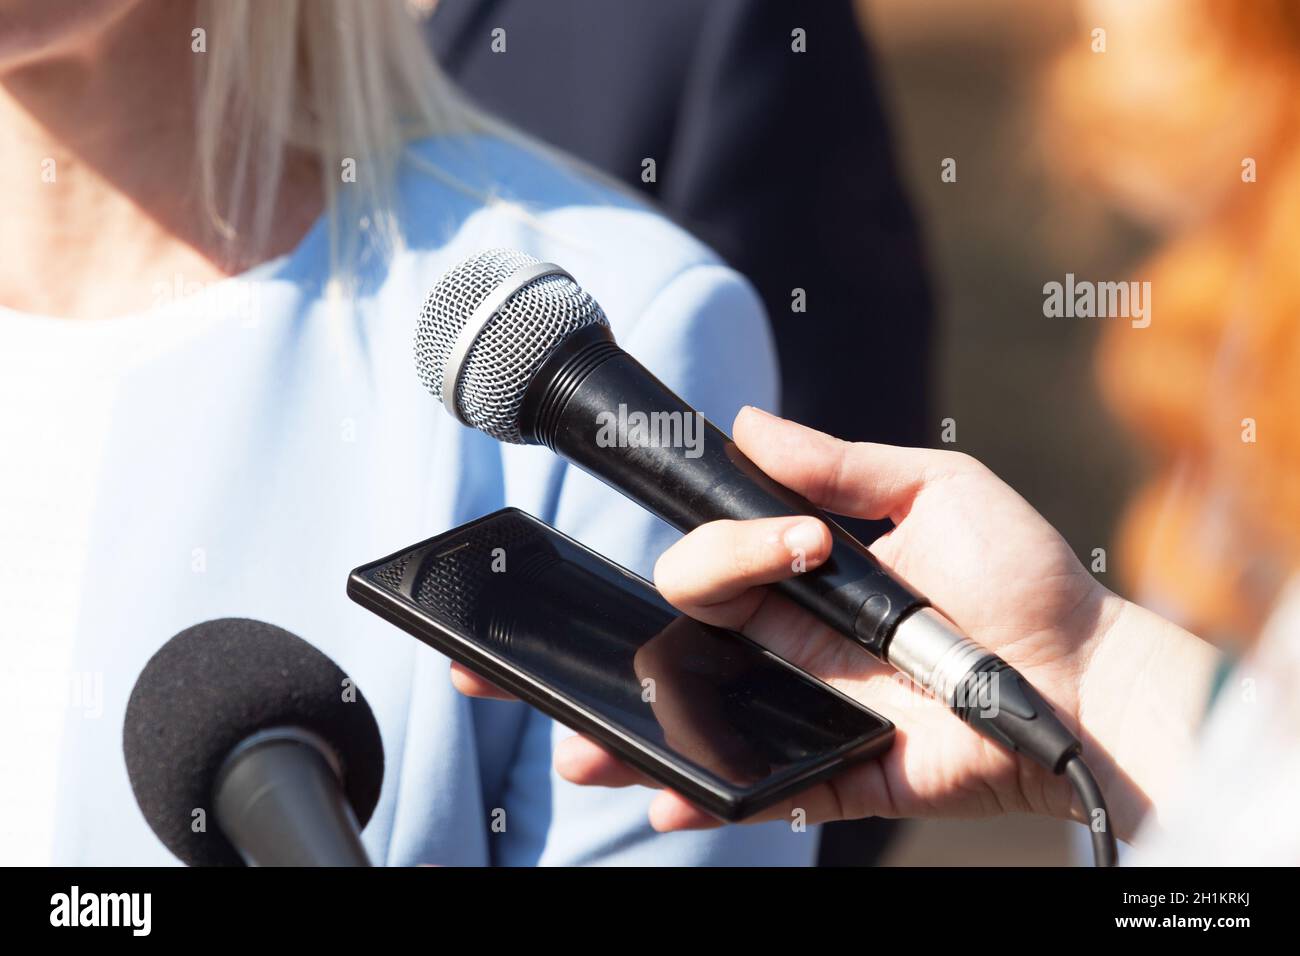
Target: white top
(58, 382)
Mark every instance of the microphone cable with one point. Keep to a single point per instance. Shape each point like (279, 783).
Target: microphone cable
(1105, 851)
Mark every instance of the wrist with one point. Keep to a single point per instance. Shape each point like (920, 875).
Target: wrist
(1142, 693)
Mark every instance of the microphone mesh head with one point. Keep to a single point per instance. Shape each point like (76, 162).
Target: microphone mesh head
(510, 348)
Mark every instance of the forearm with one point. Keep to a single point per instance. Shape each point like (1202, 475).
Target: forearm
(1142, 697)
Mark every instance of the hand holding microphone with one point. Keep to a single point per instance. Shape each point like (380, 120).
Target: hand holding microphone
(993, 565)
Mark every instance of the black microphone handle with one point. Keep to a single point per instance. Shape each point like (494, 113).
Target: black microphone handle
(589, 377)
(279, 800)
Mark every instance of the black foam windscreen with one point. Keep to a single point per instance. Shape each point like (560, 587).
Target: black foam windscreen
(209, 688)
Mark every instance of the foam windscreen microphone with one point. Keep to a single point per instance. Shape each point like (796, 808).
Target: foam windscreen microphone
(514, 347)
(241, 724)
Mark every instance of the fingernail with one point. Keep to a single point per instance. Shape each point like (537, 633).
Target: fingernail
(758, 411)
(804, 538)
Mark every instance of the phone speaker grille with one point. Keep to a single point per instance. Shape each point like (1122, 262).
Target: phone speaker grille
(458, 583)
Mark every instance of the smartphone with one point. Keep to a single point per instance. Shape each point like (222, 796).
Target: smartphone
(704, 711)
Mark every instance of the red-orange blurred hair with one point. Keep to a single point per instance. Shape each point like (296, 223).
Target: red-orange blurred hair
(1187, 91)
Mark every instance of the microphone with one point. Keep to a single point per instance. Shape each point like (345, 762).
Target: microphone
(514, 347)
(243, 722)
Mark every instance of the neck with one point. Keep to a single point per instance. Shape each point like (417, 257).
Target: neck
(98, 170)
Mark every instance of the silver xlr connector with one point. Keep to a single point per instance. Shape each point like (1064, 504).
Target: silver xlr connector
(928, 648)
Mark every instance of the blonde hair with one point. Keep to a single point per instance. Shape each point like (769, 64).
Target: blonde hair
(341, 81)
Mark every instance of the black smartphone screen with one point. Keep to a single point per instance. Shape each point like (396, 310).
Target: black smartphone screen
(602, 640)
